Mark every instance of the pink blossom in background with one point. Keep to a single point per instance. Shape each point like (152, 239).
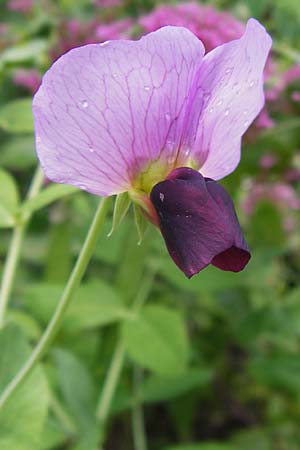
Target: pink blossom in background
(213, 27)
(281, 194)
(114, 30)
(20, 5)
(268, 160)
(160, 119)
(27, 78)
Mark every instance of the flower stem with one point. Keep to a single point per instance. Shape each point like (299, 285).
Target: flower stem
(114, 371)
(13, 254)
(72, 285)
(138, 427)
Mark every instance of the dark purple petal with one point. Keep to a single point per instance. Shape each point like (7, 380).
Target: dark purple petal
(198, 222)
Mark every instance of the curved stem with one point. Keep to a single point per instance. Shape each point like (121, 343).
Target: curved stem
(72, 285)
(114, 371)
(138, 427)
(13, 254)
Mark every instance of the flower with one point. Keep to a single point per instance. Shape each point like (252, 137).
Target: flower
(162, 121)
(30, 79)
(213, 27)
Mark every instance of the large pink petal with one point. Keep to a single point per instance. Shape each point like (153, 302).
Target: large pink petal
(104, 111)
(231, 77)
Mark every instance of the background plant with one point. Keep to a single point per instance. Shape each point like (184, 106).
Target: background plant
(144, 357)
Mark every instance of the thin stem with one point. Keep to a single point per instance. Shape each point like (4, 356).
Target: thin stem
(72, 285)
(138, 427)
(110, 384)
(62, 415)
(114, 371)
(14, 251)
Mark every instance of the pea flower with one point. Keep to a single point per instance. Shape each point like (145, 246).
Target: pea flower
(160, 119)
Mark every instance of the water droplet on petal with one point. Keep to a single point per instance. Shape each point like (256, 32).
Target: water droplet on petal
(246, 123)
(84, 103)
(104, 43)
(167, 116)
(226, 112)
(91, 149)
(147, 88)
(161, 196)
(245, 112)
(251, 83)
(220, 102)
(211, 109)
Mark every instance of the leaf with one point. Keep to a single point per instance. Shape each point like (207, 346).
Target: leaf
(9, 199)
(76, 386)
(157, 388)
(24, 52)
(23, 416)
(202, 446)
(48, 195)
(17, 152)
(279, 371)
(121, 208)
(79, 393)
(141, 223)
(156, 339)
(94, 304)
(16, 116)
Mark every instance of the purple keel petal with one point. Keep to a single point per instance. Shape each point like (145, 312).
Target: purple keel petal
(104, 111)
(198, 222)
(231, 77)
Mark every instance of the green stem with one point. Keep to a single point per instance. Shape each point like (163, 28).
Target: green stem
(56, 320)
(138, 427)
(13, 254)
(114, 371)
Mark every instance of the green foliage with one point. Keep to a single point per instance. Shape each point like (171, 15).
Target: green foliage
(9, 199)
(156, 339)
(217, 355)
(16, 116)
(23, 416)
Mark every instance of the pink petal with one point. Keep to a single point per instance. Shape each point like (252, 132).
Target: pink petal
(231, 77)
(104, 111)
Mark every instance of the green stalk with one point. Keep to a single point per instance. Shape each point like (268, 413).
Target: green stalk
(56, 320)
(14, 251)
(116, 365)
(138, 423)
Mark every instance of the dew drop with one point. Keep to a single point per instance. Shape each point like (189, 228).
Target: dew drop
(91, 149)
(104, 43)
(245, 112)
(220, 102)
(228, 71)
(251, 83)
(84, 103)
(211, 109)
(167, 116)
(147, 88)
(161, 196)
(226, 112)
(246, 123)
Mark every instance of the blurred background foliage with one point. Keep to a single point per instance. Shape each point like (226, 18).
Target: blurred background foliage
(212, 363)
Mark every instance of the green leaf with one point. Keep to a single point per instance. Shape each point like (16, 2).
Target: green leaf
(16, 116)
(23, 416)
(48, 195)
(157, 388)
(94, 304)
(202, 446)
(79, 393)
(24, 52)
(121, 208)
(141, 223)
(156, 339)
(17, 152)
(9, 199)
